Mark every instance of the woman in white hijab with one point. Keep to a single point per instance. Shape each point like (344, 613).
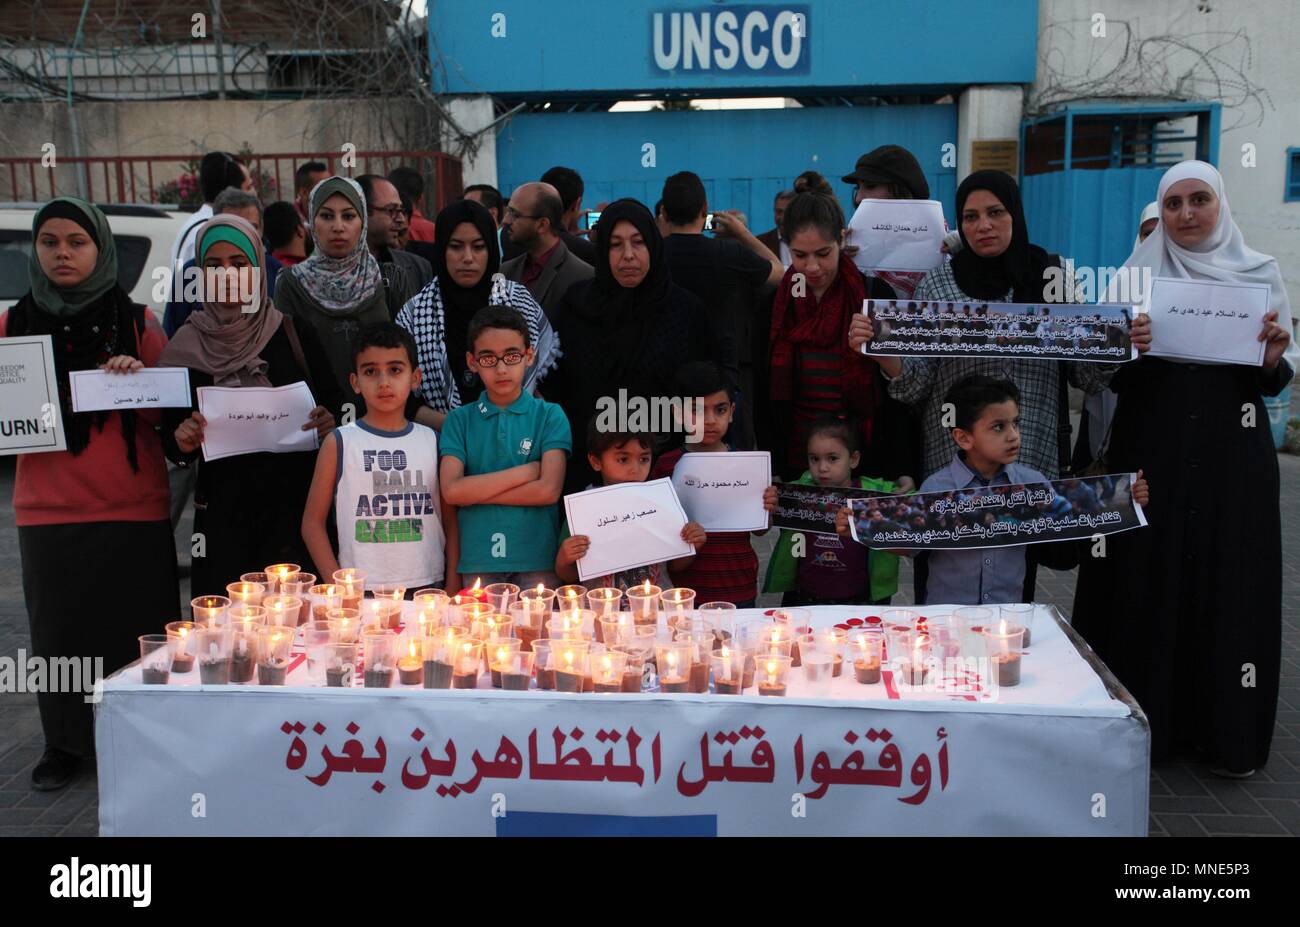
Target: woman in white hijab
(1180, 610)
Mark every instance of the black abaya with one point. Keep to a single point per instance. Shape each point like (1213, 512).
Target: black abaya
(1187, 612)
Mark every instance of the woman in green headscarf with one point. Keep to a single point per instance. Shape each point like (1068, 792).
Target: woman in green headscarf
(98, 560)
(248, 508)
(341, 286)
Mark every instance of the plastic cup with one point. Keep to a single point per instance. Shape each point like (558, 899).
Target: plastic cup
(498, 651)
(247, 591)
(380, 660)
(865, 649)
(771, 673)
(322, 597)
(607, 670)
(246, 617)
(570, 658)
(185, 645)
(974, 619)
(382, 611)
(728, 666)
(1020, 614)
(604, 600)
(156, 653)
(278, 574)
(282, 610)
(353, 582)
(345, 624)
(243, 652)
(517, 671)
(1005, 641)
(818, 665)
(340, 664)
(569, 597)
(316, 638)
(439, 650)
(673, 666)
(543, 668)
(500, 595)
(274, 642)
(464, 672)
(676, 602)
(643, 603)
(209, 609)
(213, 645)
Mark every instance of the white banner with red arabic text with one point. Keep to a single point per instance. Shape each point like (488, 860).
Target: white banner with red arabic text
(250, 761)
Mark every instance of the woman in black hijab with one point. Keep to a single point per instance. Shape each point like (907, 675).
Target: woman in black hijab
(997, 263)
(630, 327)
(465, 279)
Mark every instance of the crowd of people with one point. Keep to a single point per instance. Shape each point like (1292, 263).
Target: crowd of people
(459, 364)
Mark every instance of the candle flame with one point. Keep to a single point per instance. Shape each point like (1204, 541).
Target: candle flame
(672, 660)
(608, 664)
(771, 668)
(725, 652)
(412, 648)
(540, 587)
(647, 587)
(501, 654)
(478, 583)
(568, 657)
(1002, 629)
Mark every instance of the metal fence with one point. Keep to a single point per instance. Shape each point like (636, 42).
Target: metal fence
(137, 178)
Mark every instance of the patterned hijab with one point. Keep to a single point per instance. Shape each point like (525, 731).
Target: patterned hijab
(341, 286)
(227, 343)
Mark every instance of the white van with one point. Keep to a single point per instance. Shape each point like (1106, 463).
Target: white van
(144, 236)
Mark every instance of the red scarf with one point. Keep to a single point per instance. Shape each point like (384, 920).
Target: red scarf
(800, 321)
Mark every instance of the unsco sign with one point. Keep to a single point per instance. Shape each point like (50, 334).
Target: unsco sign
(736, 39)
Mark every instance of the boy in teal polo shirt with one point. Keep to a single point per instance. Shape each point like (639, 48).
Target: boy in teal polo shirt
(503, 460)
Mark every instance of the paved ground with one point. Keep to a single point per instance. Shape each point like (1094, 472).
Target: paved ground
(1185, 799)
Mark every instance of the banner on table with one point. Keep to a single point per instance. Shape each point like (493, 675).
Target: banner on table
(724, 492)
(329, 762)
(1207, 320)
(897, 235)
(31, 419)
(812, 509)
(999, 516)
(1053, 331)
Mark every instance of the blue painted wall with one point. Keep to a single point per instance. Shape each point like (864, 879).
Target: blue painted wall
(743, 156)
(1093, 217)
(601, 47)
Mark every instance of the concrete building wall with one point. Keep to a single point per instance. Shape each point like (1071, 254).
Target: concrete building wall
(1259, 72)
(180, 127)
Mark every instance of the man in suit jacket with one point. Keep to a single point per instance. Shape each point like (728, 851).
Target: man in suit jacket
(772, 237)
(546, 268)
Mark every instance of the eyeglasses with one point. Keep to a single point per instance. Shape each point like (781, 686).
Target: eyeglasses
(390, 211)
(488, 361)
(513, 213)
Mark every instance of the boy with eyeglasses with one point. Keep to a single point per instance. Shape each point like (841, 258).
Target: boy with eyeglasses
(503, 460)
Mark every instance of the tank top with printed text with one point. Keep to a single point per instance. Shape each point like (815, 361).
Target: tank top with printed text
(386, 503)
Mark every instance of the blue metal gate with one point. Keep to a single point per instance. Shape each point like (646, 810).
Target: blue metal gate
(744, 156)
(1088, 171)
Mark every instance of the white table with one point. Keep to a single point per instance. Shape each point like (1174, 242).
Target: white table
(1067, 752)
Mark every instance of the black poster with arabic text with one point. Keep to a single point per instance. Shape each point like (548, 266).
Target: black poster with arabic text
(999, 516)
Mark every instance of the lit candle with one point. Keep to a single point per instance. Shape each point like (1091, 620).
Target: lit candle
(771, 672)
(726, 662)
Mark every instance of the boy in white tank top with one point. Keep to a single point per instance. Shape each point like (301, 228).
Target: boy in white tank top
(380, 474)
